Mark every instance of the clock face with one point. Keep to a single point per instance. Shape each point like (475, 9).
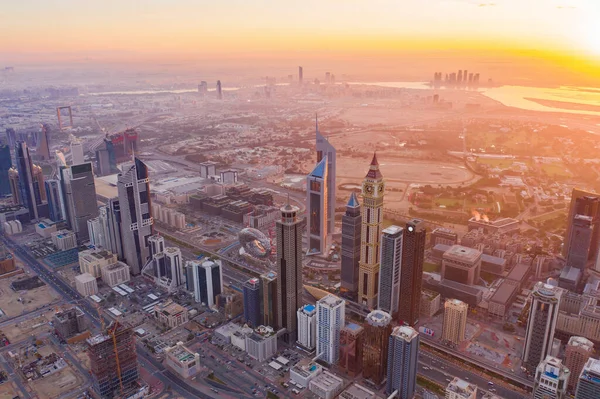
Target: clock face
(381, 188)
(369, 188)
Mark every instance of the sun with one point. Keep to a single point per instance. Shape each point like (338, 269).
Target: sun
(591, 37)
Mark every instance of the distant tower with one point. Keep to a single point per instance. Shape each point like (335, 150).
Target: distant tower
(373, 191)
(43, 151)
(32, 193)
(588, 385)
(307, 326)
(551, 378)
(56, 202)
(389, 276)
(114, 237)
(78, 187)
(252, 302)
(331, 318)
(5, 165)
(587, 204)
(351, 241)
(325, 149)
(219, 90)
(300, 75)
(77, 154)
(207, 280)
(541, 324)
(268, 288)
(106, 161)
(316, 193)
(411, 274)
(580, 242)
(378, 327)
(403, 354)
(579, 350)
(351, 348)
(455, 321)
(289, 270)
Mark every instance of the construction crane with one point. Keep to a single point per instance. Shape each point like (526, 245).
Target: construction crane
(112, 333)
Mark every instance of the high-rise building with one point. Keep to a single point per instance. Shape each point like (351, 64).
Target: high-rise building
(551, 378)
(300, 75)
(69, 322)
(461, 264)
(112, 213)
(455, 321)
(411, 275)
(588, 385)
(541, 324)
(378, 327)
(577, 353)
(5, 165)
(389, 276)
(136, 214)
(156, 244)
(373, 190)
(590, 206)
(582, 203)
(207, 280)
(252, 302)
(43, 150)
(219, 90)
(316, 200)
(203, 88)
(78, 188)
(331, 318)
(351, 348)
(15, 186)
(77, 154)
(31, 190)
(307, 326)
(580, 243)
(106, 161)
(402, 359)
(56, 203)
(351, 244)
(166, 268)
(460, 389)
(96, 233)
(11, 137)
(268, 288)
(113, 361)
(325, 149)
(289, 270)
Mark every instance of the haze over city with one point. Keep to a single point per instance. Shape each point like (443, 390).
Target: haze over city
(311, 199)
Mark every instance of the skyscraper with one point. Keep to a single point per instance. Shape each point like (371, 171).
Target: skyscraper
(15, 186)
(42, 150)
(252, 302)
(378, 327)
(577, 353)
(289, 270)
(77, 154)
(316, 200)
(331, 318)
(79, 193)
(136, 214)
(582, 203)
(268, 288)
(403, 353)
(5, 165)
(389, 276)
(373, 191)
(326, 149)
(413, 256)
(588, 385)
(300, 75)
(31, 193)
(351, 348)
(541, 324)
(207, 280)
(11, 137)
(307, 326)
(551, 378)
(219, 90)
(166, 268)
(56, 203)
(106, 161)
(113, 220)
(590, 206)
(156, 244)
(580, 242)
(455, 321)
(351, 226)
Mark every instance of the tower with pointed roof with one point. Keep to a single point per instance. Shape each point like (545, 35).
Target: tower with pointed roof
(373, 191)
(351, 226)
(317, 206)
(325, 149)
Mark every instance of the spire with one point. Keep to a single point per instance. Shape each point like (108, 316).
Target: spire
(353, 201)
(374, 161)
(374, 172)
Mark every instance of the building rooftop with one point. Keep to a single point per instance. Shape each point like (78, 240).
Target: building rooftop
(378, 318)
(429, 295)
(306, 370)
(319, 170)
(462, 388)
(356, 391)
(353, 201)
(405, 332)
(169, 308)
(504, 292)
(327, 381)
(331, 300)
(392, 230)
(581, 342)
(519, 272)
(353, 327)
(85, 277)
(309, 308)
(463, 254)
(181, 353)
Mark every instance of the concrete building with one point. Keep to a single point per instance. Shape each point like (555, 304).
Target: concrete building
(289, 270)
(326, 385)
(541, 324)
(115, 274)
(252, 305)
(69, 322)
(373, 191)
(356, 391)
(351, 349)
(580, 244)
(462, 264)
(27, 183)
(317, 208)
(331, 316)
(307, 326)
(78, 187)
(430, 303)
(411, 274)
(502, 299)
(460, 389)
(77, 154)
(268, 287)
(389, 275)
(165, 268)
(378, 327)
(498, 226)
(402, 359)
(106, 162)
(577, 353)
(64, 240)
(56, 202)
(351, 246)
(455, 321)
(302, 374)
(93, 260)
(5, 165)
(326, 150)
(207, 280)
(442, 235)
(170, 314)
(182, 360)
(208, 169)
(96, 233)
(262, 343)
(7, 261)
(133, 186)
(86, 284)
(44, 228)
(588, 204)
(551, 378)
(588, 385)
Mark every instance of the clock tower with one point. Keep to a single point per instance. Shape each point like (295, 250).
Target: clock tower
(373, 190)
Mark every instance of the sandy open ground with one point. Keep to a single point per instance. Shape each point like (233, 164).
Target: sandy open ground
(23, 330)
(59, 383)
(7, 391)
(31, 299)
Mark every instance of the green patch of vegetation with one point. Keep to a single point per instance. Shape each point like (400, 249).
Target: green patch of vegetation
(271, 395)
(430, 267)
(488, 277)
(430, 385)
(555, 170)
(214, 378)
(496, 163)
